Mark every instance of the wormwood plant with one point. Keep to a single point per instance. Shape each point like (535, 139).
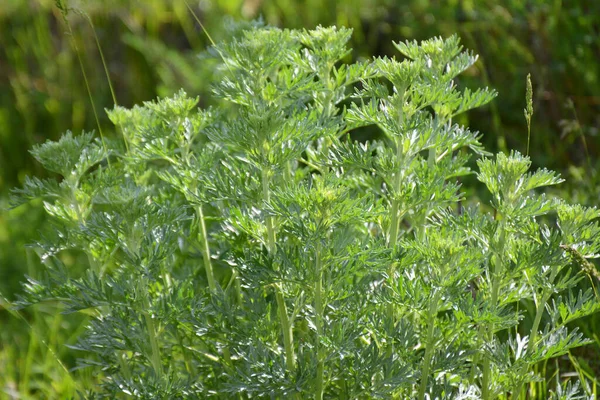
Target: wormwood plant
(255, 250)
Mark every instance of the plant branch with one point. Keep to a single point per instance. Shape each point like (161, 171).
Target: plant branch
(288, 335)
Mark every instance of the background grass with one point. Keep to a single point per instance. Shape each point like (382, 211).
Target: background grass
(153, 47)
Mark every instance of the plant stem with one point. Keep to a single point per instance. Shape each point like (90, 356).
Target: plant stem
(108, 80)
(485, 380)
(236, 286)
(392, 243)
(156, 363)
(286, 327)
(184, 352)
(122, 360)
(212, 284)
(536, 322)
(431, 160)
(203, 237)
(394, 224)
(210, 277)
(539, 312)
(288, 336)
(155, 356)
(64, 11)
(319, 321)
(395, 220)
(266, 180)
(489, 335)
(431, 314)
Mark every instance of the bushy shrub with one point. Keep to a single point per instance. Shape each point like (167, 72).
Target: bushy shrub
(256, 250)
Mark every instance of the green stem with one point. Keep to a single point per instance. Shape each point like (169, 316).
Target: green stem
(421, 228)
(286, 327)
(431, 160)
(156, 363)
(122, 360)
(288, 336)
(186, 357)
(392, 271)
(539, 312)
(237, 288)
(227, 356)
(203, 237)
(489, 336)
(110, 85)
(395, 222)
(266, 180)
(212, 284)
(485, 382)
(319, 321)
(395, 219)
(155, 358)
(81, 220)
(431, 315)
(392, 242)
(431, 157)
(64, 11)
(536, 322)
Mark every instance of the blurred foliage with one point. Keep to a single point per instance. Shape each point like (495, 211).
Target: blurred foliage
(155, 47)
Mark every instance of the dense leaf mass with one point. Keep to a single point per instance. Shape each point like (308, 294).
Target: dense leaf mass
(255, 250)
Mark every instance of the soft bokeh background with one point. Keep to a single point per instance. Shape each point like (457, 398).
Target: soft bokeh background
(154, 47)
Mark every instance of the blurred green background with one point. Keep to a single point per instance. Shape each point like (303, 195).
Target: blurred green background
(154, 47)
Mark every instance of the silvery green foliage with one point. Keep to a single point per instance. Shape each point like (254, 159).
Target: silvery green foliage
(255, 250)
